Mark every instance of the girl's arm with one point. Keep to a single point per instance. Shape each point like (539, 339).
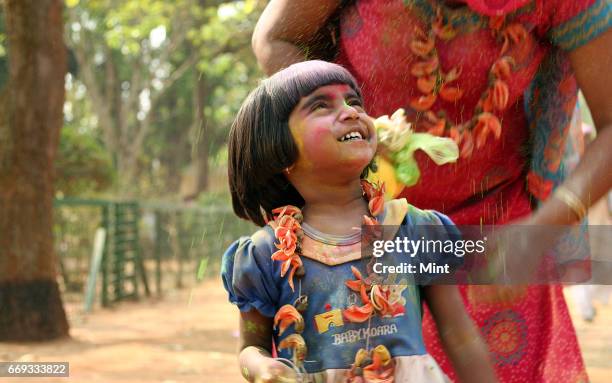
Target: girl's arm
(256, 363)
(459, 336)
(284, 27)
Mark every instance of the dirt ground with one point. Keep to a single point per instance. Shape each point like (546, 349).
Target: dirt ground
(190, 336)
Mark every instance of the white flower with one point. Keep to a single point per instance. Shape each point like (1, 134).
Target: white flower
(394, 132)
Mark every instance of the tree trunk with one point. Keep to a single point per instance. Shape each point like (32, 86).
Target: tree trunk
(30, 121)
(201, 137)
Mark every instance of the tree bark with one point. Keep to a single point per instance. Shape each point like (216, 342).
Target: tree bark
(202, 135)
(195, 179)
(30, 121)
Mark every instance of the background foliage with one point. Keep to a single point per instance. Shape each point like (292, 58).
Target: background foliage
(152, 88)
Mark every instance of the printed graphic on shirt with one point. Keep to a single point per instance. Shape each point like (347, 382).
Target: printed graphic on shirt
(352, 336)
(329, 319)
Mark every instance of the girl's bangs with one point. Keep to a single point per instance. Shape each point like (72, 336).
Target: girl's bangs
(287, 87)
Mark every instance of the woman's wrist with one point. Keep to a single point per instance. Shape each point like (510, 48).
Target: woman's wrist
(573, 202)
(563, 207)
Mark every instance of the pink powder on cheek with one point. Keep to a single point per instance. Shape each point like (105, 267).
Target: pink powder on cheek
(317, 142)
(309, 141)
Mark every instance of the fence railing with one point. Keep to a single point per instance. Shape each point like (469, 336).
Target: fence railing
(149, 247)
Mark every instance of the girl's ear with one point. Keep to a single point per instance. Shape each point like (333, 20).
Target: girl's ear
(287, 170)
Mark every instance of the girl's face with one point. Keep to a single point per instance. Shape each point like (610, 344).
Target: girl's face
(333, 133)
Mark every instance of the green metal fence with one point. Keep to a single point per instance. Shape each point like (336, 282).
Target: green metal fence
(149, 247)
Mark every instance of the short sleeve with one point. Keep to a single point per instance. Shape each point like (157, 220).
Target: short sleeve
(440, 238)
(435, 224)
(247, 273)
(572, 24)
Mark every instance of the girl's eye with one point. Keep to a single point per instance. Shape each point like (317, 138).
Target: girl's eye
(355, 103)
(318, 105)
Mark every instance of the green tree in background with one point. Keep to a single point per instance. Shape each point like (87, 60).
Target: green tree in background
(163, 79)
(83, 164)
(151, 90)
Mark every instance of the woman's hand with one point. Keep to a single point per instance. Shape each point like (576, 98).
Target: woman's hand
(515, 252)
(591, 179)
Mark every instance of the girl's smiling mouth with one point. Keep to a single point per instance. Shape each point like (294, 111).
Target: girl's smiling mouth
(355, 133)
(351, 137)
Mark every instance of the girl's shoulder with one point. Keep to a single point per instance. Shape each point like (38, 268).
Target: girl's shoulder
(249, 274)
(259, 245)
(262, 238)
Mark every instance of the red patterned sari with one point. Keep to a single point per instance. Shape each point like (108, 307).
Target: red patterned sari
(528, 329)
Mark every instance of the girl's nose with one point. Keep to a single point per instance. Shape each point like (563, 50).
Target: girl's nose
(349, 112)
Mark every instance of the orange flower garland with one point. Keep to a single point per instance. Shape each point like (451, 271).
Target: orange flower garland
(288, 231)
(287, 228)
(434, 83)
(375, 365)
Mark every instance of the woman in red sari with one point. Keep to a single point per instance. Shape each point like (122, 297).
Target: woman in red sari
(501, 78)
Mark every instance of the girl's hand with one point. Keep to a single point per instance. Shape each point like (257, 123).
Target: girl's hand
(275, 371)
(256, 364)
(460, 337)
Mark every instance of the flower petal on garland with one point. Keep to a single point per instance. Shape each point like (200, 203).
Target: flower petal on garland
(286, 226)
(423, 103)
(358, 314)
(285, 317)
(450, 93)
(500, 95)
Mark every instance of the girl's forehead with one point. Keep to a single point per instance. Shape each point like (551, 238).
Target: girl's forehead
(333, 90)
(330, 92)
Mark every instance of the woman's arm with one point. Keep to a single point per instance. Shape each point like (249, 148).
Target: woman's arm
(592, 178)
(284, 27)
(459, 336)
(256, 363)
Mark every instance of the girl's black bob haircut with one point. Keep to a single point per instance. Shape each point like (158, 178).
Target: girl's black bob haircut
(260, 143)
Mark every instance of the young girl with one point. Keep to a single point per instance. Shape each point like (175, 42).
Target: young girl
(298, 151)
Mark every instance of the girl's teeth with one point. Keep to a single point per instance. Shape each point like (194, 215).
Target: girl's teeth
(351, 135)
